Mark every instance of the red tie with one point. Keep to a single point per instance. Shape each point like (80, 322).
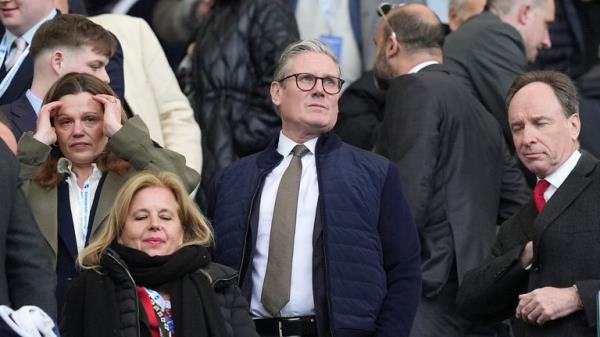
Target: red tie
(538, 194)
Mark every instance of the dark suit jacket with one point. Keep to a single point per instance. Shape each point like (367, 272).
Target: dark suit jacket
(20, 115)
(22, 80)
(24, 76)
(566, 243)
(459, 177)
(26, 277)
(486, 55)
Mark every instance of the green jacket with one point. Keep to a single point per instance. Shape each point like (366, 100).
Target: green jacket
(132, 143)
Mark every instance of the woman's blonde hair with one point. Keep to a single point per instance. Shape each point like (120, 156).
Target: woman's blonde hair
(196, 228)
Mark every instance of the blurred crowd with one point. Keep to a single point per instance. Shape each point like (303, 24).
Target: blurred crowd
(299, 168)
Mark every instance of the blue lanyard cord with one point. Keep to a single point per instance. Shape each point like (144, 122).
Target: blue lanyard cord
(86, 209)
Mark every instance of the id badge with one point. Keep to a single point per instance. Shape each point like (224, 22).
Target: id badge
(334, 42)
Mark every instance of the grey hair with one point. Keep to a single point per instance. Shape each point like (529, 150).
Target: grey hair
(300, 47)
(504, 7)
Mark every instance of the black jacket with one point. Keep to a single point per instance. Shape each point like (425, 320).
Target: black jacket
(88, 309)
(237, 48)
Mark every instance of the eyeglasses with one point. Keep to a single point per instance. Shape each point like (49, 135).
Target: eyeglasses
(306, 82)
(383, 9)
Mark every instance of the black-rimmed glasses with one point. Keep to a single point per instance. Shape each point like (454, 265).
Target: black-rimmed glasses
(306, 82)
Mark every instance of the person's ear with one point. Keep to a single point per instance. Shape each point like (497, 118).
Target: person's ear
(56, 62)
(392, 47)
(575, 124)
(524, 14)
(276, 93)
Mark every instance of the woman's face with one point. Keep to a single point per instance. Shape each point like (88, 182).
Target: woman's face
(78, 126)
(153, 225)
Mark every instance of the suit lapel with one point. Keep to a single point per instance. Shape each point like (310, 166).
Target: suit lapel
(43, 205)
(22, 115)
(110, 188)
(20, 83)
(570, 190)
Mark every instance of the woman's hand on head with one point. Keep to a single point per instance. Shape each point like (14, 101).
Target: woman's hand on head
(45, 132)
(112, 113)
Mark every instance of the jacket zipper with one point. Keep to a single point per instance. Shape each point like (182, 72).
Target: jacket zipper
(248, 224)
(137, 301)
(325, 257)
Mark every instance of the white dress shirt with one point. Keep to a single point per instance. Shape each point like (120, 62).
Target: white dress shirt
(557, 177)
(81, 199)
(420, 66)
(301, 293)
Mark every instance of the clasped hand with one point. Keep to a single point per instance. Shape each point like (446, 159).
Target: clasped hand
(546, 304)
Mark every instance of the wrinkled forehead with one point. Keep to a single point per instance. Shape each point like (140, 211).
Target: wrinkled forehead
(313, 63)
(79, 104)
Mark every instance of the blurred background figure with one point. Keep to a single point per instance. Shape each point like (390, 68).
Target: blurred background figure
(151, 89)
(233, 61)
(575, 51)
(153, 254)
(83, 150)
(20, 20)
(460, 11)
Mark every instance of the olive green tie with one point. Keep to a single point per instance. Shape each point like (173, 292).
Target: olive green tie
(276, 287)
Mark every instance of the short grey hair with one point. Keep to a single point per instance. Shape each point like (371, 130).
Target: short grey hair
(504, 7)
(300, 47)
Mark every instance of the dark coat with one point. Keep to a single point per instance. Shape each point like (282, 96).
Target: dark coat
(565, 237)
(237, 47)
(88, 310)
(486, 55)
(371, 248)
(26, 277)
(21, 81)
(459, 177)
(21, 116)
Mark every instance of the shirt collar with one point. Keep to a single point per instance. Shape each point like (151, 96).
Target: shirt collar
(35, 101)
(28, 36)
(557, 177)
(65, 166)
(285, 145)
(421, 65)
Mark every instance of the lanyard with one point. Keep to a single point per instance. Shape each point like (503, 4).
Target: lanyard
(85, 212)
(164, 321)
(327, 14)
(13, 71)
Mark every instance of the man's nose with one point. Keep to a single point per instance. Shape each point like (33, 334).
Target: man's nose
(103, 76)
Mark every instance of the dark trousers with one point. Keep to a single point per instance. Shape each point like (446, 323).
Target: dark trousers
(437, 317)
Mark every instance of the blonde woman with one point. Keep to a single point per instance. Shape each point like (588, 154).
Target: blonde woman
(148, 273)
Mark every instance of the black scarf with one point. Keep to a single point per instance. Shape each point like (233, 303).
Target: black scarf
(196, 311)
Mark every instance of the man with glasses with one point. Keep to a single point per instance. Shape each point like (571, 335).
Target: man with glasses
(320, 230)
(460, 179)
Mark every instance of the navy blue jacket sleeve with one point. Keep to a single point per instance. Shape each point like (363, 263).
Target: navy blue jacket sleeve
(114, 68)
(401, 254)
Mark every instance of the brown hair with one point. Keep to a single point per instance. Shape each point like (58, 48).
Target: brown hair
(72, 30)
(47, 175)
(564, 89)
(196, 229)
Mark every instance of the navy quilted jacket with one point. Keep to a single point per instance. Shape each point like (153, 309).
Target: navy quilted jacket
(372, 249)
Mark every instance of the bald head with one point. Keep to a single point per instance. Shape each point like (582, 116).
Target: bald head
(417, 27)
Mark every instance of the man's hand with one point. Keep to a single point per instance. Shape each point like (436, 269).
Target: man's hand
(527, 255)
(547, 304)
